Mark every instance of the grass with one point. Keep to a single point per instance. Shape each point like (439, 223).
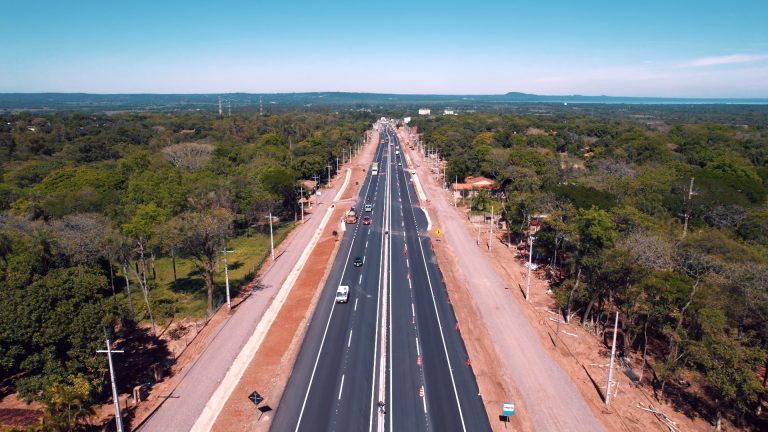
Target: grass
(186, 298)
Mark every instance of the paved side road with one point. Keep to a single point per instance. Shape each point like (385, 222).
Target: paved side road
(551, 399)
(199, 381)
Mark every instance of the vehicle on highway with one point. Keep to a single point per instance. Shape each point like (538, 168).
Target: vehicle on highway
(397, 152)
(375, 168)
(358, 262)
(368, 207)
(367, 220)
(351, 216)
(342, 294)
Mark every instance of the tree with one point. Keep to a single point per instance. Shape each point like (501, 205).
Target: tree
(191, 156)
(55, 324)
(200, 236)
(141, 229)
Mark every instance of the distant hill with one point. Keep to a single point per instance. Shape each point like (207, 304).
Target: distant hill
(208, 102)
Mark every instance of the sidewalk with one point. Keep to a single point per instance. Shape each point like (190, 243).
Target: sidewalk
(189, 390)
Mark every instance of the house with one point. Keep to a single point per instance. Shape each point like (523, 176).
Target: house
(425, 111)
(449, 112)
(471, 185)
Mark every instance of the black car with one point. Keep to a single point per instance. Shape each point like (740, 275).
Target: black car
(358, 261)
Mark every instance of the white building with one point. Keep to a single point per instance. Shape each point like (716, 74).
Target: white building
(406, 120)
(425, 111)
(448, 112)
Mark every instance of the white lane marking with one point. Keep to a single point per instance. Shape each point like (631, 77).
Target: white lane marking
(418, 351)
(413, 312)
(424, 399)
(407, 263)
(360, 280)
(366, 244)
(341, 387)
(409, 284)
(356, 304)
(350, 338)
(363, 259)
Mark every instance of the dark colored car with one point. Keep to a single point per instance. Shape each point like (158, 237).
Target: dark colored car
(358, 262)
(367, 220)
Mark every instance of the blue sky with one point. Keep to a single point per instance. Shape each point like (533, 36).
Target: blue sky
(676, 48)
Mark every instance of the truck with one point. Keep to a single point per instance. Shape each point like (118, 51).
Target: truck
(375, 168)
(342, 294)
(368, 207)
(351, 216)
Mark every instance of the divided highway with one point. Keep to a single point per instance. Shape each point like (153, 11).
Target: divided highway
(391, 358)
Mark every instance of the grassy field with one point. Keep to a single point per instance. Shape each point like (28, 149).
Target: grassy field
(186, 298)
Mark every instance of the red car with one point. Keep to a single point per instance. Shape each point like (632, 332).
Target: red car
(367, 220)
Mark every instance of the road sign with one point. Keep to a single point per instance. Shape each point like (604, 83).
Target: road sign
(508, 409)
(256, 398)
(438, 231)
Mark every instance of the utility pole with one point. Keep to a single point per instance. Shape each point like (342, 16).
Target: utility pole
(115, 398)
(610, 368)
(687, 214)
(337, 165)
(490, 232)
(343, 154)
(271, 237)
(329, 175)
(530, 266)
(226, 275)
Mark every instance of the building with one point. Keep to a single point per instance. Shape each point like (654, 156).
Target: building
(406, 120)
(425, 111)
(471, 186)
(448, 112)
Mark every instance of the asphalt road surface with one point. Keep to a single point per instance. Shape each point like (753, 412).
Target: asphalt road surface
(392, 358)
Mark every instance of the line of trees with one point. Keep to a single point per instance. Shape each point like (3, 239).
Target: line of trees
(613, 197)
(89, 202)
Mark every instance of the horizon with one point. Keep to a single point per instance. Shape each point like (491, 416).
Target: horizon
(693, 50)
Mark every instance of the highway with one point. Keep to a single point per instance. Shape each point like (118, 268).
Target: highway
(396, 341)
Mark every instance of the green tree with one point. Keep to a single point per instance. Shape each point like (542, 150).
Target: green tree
(201, 236)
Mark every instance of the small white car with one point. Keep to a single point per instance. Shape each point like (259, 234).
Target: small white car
(342, 294)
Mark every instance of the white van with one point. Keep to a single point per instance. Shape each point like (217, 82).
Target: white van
(342, 294)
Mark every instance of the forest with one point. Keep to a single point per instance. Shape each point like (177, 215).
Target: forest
(660, 218)
(95, 210)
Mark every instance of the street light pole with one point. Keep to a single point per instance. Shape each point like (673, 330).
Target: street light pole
(271, 237)
(226, 275)
(329, 175)
(610, 368)
(530, 265)
(118, 417)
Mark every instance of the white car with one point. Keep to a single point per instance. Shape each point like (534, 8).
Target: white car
(342, 294)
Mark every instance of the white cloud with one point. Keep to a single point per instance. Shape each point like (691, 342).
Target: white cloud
(728, 59)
